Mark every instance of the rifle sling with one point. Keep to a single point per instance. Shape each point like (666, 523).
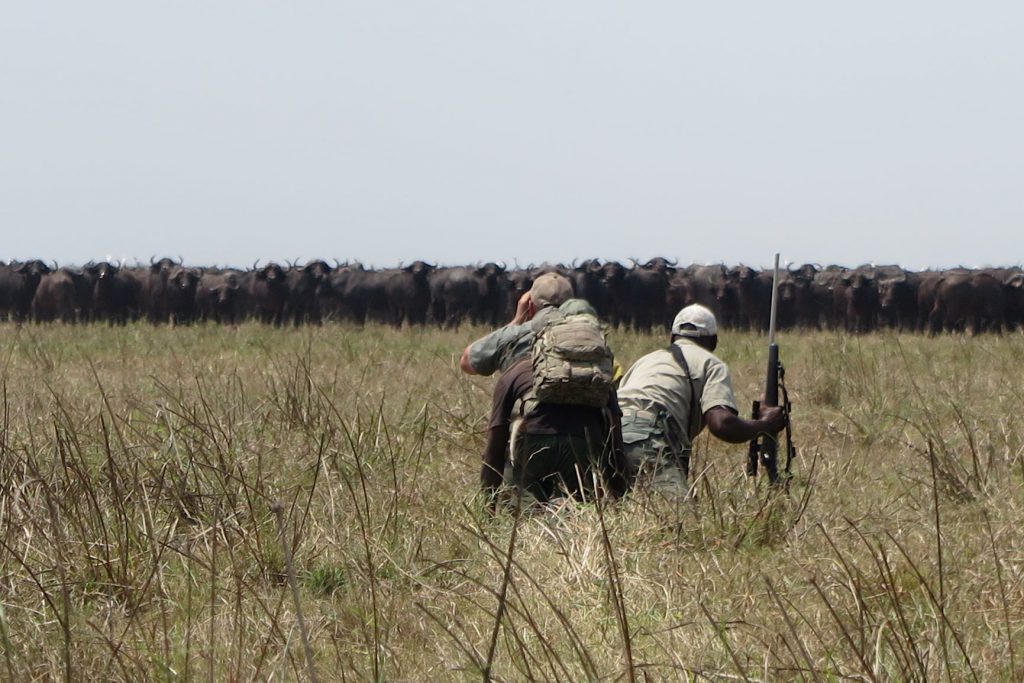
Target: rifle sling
(677, 353)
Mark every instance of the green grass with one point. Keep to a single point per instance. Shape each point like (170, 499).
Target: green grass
(139, 469)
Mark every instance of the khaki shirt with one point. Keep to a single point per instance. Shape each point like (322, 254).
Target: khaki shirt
(656, 382)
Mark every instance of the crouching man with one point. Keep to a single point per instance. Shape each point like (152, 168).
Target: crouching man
(554, 430)
(669, 395)
(557, 451)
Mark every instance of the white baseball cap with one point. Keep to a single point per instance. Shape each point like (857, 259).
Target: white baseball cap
(695, 321)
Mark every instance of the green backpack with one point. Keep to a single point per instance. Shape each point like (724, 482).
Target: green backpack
(572, 363)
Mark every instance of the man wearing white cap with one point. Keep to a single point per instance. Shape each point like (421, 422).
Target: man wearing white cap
(669, 395)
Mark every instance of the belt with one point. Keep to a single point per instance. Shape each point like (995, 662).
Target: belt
(641, 424)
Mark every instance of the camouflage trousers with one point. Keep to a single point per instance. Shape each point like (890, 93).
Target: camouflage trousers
(656, 468)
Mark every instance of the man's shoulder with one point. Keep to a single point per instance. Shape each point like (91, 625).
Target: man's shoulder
(506, 333)
(665, 356)
(661, 366)
(651, 367)
(655, 356)
(694, 352)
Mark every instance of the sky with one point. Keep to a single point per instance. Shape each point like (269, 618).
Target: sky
(465, 130)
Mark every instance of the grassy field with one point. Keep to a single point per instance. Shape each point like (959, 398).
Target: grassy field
(147, 475)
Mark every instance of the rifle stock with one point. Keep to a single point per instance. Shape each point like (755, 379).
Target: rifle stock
(771, 384)
(769, 447)
(753, 452)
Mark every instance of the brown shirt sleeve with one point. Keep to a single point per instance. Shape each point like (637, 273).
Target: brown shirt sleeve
(493, 466)
(507, 389)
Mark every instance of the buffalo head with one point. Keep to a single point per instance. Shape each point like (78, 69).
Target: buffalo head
(184, 279)
(271, 272)
(804, 274)
(164, 265)
(418, 269)
(103, 271)
(787, 289)
(660, 264)
(613, 272)
(319, 269)
(742, 275)
(34, 268)
(489, 271)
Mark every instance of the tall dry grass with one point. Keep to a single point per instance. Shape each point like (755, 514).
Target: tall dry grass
(239, 504)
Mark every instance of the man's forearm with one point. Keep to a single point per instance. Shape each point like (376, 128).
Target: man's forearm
(732, 428)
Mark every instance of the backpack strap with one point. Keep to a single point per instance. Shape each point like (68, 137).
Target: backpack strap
(677, 353)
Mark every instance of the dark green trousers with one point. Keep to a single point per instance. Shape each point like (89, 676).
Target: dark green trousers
(546, 467)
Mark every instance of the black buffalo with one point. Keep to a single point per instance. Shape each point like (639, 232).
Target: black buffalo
(897, 299)
(474, 294)
(968, 301)
(589, 283)
(704, 285)
(57, 296)
(407, 291)
(18, 283)
(268, 288)
(306, 286)
(744, 298)
(221, 296)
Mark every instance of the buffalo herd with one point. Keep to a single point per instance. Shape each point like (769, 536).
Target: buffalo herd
(641, 296)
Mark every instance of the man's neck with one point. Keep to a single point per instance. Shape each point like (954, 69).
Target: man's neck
(703, 342)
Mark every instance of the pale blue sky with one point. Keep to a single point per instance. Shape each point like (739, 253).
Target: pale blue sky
(459, 131)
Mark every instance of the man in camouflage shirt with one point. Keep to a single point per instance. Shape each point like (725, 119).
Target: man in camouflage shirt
(551, 451)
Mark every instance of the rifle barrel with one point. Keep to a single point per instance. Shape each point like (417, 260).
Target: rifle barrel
(771, 385)
(775, 302)
(769, 447)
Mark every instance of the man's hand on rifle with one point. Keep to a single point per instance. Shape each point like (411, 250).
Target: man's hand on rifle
(773, 418)
(730, 427)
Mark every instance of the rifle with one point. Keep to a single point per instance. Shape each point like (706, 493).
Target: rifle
(764, 449)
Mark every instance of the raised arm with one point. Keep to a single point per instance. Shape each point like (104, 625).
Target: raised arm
(524, 312)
